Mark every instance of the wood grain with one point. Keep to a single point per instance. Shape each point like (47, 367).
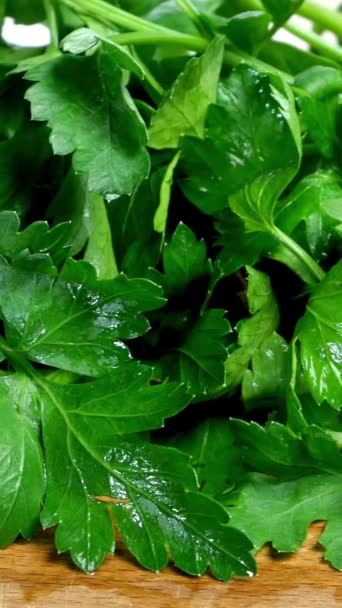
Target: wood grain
(32, 576)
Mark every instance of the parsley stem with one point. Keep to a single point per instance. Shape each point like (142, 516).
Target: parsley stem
(334, 52)
(327, 18)
(145, 38)
(143, 32)
(302, 256)
(52, 23)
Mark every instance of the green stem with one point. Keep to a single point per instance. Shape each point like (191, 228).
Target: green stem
(144, 37)
(334, 52)
(16, 359)
(306, 260)
(51, 19)
(327, 18)
(144, 32)
(102, 11)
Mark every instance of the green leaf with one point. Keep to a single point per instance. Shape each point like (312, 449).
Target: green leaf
(99, 251)
(137, 246)
(70, 204)
(254, 332)
(320, 119)
(199, 361)
(281, 10)
(37, 237)
(297, 481)
(83, 39)
(246, 30)
(92, 115)
(266, 379)
(216, 461)
(184, 110)
(238, 246)
(310, 213)
(121, 402)
(158, 508)
(184, 260)
(161, 215)
(251, 151)
(22, 468)
(320, 338)
(74, 322)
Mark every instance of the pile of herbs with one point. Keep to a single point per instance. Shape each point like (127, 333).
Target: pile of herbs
(170, 281)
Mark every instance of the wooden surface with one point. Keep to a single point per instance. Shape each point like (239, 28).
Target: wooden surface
(32, 576)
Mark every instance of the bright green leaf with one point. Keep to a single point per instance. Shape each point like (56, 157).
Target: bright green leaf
(22, 468)
(184, 110)
(320, 338)
(254, 331)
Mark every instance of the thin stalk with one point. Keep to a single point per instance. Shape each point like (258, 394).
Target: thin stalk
(143, 32)
(144, 37)
(51, 19)
(308, 262)
(102, 11)
(318, 43)
(327, 18)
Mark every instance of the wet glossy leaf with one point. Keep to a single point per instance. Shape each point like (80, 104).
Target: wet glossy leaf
(22, 468)
(87, 90)
(266, 380)
(74, 322)
(320, 338)
(157, 510)
(254, 332)
(250, 151)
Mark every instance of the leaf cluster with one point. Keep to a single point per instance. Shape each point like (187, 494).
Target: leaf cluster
(170, 282)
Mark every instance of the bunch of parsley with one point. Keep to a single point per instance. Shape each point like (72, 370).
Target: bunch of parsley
(170, 281)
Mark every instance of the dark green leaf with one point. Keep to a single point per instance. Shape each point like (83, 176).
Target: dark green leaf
(37, 237)
(22, 468)
(281, 10)
(250, 145)
(184, 260)
(53, 320)
(87, 91)
(216, 461)
(247, 30)
(159, 509)
(297, 481)
(199, 361)
(320, 337)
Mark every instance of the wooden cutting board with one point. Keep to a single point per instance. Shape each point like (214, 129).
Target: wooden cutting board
(31, 575)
